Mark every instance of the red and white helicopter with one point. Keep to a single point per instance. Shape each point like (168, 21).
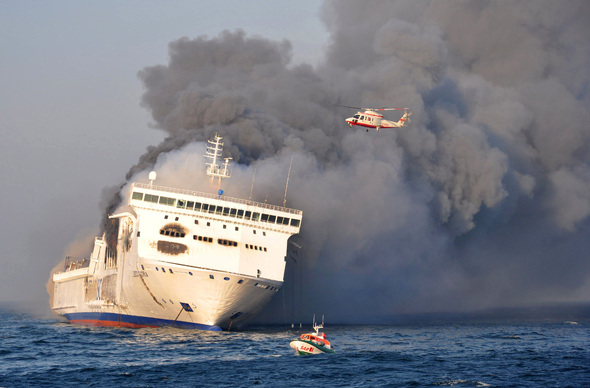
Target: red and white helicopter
(369, 118)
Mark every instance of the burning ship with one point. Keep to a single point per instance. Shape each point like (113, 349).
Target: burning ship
(176, 257)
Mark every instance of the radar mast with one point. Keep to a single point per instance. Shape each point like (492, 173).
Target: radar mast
(214, 150)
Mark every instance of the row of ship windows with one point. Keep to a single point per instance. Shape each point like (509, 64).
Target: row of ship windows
(220, 241)
(212, 277)
(213, 209)
(208, 224)
(255, 247)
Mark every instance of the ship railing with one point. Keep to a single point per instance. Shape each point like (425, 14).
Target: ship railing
(74, 267)
(213, 196)
(73, 263)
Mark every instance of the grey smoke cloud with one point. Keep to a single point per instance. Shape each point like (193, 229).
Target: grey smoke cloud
(482, 201)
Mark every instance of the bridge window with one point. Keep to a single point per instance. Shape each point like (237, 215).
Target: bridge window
(151, 198)
(204, 208)
(240, 213)
(233, 212)
(137, 195)
(248, 215)
(190, 205)
(295, 222)
(226, 211)
(167, 201)
(272, 219)
(181, 204)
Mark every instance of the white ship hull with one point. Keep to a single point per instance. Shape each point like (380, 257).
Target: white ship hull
(168, 264)
(185, 301)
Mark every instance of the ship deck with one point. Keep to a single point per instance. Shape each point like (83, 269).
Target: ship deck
(217, 197)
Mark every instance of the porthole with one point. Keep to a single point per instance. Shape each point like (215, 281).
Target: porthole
(170, 270)
(211, 277)
(240, 281)
(226, 278)
(166, 217)
(157, 269)
(190, 273)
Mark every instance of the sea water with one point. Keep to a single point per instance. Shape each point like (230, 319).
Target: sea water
(544, 353)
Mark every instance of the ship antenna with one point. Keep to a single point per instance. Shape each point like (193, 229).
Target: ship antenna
(287, 185)
(214, 151)
(252, 187)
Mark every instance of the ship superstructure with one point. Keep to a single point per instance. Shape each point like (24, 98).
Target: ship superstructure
(179, 257)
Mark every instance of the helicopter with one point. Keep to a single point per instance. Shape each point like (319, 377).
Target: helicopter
(369, 118)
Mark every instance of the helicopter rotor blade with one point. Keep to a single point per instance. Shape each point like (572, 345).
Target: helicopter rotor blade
(346, 106)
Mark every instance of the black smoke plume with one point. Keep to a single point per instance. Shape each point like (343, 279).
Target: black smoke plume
(482, 201)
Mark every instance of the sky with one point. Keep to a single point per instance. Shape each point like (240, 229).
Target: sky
(71, 123)
(483, 201)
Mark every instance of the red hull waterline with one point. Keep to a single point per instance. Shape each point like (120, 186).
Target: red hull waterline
(95, 322)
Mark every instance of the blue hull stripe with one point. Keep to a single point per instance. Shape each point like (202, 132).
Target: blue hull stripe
(112, 319)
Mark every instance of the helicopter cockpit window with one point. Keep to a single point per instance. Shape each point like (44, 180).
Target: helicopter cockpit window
(362, 117)
(356, 116)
